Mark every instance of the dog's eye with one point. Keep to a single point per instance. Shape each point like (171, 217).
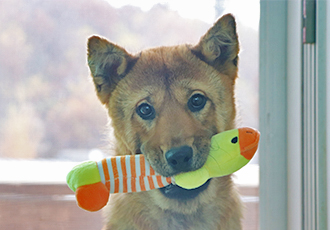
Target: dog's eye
(197, 102)
(146, 111)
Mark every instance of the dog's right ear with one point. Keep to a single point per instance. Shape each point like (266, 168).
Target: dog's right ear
(108, 64)
(219, 46)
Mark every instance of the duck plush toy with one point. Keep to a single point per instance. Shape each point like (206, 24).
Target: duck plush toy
(93, 181)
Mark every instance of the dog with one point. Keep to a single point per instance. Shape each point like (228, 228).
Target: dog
(167, 103)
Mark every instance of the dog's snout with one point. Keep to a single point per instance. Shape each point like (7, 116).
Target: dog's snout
(180, 158)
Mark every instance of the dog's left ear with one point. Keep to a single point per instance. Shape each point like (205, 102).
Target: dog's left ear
(219, 46)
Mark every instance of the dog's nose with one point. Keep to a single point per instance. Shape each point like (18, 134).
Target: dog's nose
(180, 158)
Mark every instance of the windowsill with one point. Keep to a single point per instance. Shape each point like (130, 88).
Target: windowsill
(15, 171)
(41, 183)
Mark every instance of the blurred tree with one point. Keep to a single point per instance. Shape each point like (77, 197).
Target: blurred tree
(22, 133)
(47, 100)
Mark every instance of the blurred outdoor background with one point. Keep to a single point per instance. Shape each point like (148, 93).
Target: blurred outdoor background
(48, 107)
(50, 117)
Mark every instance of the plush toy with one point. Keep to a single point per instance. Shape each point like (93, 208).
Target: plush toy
(93, 181)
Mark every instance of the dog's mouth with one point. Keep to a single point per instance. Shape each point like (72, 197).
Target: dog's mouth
(176, 192)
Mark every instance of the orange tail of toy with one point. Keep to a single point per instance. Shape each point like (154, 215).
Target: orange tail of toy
(92, 197)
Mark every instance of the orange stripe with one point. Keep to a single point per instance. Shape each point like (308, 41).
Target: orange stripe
(143, 187)
(142, 166)
(168, 179)
(123, 169)
(133, 172)
(151, 183)
(152, 171)
(106, 173)
(159, 181)
(115, 174)
(143, 173)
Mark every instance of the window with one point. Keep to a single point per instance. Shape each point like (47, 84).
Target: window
(50, 117)
(294, 115)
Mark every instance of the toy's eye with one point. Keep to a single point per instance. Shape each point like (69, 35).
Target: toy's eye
(146, 111)
(234, 140)
(196, 102)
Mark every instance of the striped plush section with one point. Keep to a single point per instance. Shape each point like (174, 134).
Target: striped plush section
(130, 173)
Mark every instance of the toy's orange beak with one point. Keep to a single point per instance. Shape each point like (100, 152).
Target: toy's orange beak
(248, 141)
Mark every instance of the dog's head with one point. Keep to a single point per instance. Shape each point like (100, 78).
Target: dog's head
(167, 102)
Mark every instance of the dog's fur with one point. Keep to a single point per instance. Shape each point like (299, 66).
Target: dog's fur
(165, 79)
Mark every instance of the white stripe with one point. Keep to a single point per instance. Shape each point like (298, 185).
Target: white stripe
(154, 179)
(128, 170)
(146, 183)
(137, 184)
(120, 174)
(101, 172)
(137, 166)
(147, 166)
(112, 181)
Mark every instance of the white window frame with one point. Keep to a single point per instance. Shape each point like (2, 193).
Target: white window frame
(282, 174)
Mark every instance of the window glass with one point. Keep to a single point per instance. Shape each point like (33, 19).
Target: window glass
(50, 116)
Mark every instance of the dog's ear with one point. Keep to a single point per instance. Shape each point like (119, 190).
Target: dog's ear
(219, 46)
(108, 64)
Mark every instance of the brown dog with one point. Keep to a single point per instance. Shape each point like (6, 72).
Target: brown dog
(166, 103)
